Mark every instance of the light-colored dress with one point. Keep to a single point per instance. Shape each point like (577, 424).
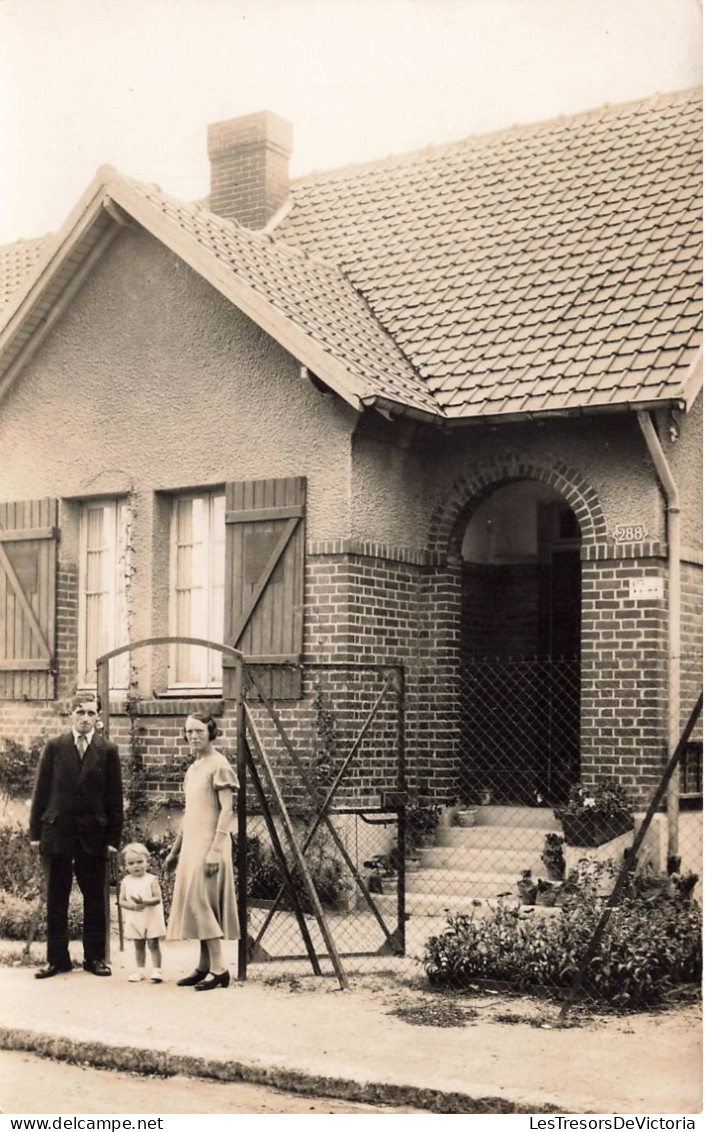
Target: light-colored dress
(148, 923)
(204, 907)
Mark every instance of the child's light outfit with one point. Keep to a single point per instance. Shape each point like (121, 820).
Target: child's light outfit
(147, 923)
(144, 923)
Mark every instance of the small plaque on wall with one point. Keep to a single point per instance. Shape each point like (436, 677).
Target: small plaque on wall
(630, 532)
(643, 589)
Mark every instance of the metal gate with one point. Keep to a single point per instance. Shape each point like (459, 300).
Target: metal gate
(320, 812)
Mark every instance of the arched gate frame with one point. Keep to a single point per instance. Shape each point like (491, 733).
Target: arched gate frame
(261, 772)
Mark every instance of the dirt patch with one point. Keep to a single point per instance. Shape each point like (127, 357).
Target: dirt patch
(435, 1014)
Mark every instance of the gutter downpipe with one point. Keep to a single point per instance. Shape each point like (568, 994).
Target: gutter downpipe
(673, 535)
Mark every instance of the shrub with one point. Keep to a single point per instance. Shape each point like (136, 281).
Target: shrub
(18, 766)
(649, 946)
(19, 863)
(17, 916)
(265, 877)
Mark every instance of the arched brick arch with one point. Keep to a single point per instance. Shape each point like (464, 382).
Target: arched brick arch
(450, 517)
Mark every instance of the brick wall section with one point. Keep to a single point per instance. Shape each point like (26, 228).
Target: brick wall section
(623, 676)
(66, 631)
(384, 605)
(363, 608)
(434, 749)
(691, 641)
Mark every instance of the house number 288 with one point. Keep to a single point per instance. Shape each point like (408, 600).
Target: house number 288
(625, 533)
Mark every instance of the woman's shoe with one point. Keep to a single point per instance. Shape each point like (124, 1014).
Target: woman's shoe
(221, 980)
(192, 979)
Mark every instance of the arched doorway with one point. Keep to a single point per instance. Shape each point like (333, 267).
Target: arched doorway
(520, 646)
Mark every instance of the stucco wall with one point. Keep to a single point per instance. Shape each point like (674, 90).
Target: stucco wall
(152, 378)
(395, 492)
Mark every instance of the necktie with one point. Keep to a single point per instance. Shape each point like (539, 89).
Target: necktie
(81, 744)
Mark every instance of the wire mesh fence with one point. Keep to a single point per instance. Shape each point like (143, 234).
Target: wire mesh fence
(528, 855)
(505, 878)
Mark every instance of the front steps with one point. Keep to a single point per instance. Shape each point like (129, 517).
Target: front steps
(468, 869)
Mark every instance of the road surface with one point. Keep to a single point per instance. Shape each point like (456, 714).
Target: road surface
(32, 1085)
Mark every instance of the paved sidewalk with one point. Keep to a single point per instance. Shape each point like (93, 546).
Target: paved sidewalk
(387, 1039)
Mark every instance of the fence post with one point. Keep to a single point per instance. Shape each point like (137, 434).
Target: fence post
(401, 812)
(241, 821)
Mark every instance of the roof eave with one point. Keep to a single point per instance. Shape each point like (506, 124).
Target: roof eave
(389, 407)
(65, 248)
(579, 412)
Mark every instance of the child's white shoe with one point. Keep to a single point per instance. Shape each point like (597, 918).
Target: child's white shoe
(136, 976)
(156, 976)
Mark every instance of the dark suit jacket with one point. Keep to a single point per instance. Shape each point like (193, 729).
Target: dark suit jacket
(77, 801)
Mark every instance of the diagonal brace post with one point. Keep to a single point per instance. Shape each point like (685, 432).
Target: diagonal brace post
(322, 815)
(288, 879)
(296, 852)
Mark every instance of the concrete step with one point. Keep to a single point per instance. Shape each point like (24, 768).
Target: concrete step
(428, 904)
(482, 860)
(493, 836)
(460, 883)
(528, 817)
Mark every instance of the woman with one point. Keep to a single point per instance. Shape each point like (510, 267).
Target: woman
(203, 905)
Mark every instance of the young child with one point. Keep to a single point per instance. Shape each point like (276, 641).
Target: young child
(141, 899)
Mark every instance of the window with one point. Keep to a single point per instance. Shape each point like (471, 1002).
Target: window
(196, 592)
(102, 610)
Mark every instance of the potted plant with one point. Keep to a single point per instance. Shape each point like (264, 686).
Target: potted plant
(422, 818)
(465, 812)
(384, 869)
(527, 887)
(595, 814)
(546, 893)
(553, 857)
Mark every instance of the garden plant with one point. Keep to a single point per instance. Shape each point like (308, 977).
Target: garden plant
(652, 943)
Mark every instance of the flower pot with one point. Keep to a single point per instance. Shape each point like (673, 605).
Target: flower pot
(590, 830)
(466, 818)
(553, 872)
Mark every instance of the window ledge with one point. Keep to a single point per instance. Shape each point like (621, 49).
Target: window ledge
(172, 705)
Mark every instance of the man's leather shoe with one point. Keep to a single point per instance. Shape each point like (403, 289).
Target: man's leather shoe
(96, 967)
(50, 970)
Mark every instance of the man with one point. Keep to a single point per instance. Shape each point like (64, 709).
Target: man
(75, 822)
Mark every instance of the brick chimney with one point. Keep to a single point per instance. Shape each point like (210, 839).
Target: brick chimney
(249, 160)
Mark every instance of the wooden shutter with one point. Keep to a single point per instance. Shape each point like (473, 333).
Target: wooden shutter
(28, 538)
(264, 577)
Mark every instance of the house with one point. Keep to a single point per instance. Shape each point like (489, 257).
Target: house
(458, 392)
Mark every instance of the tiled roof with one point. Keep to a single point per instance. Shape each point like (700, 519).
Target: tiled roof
(16, 260)
(552, 267)
(313, 294)
(547, 268)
